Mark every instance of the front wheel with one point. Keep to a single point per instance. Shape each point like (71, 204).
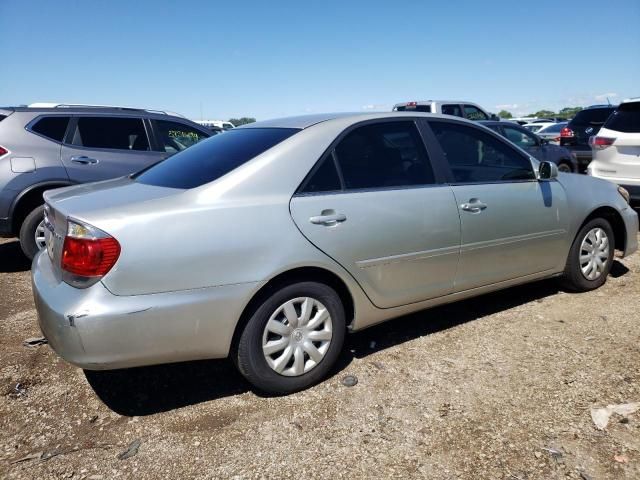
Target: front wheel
(590, 257)
(32, 232)
(292, 339)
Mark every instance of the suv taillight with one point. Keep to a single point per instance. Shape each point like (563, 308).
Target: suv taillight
(601, 142)
(3, 151)
(566, 132)
(87, 254)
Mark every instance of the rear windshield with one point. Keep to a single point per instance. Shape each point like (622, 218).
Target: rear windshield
(212, 158)
(592, 116)
(412, 108)
(625, 119)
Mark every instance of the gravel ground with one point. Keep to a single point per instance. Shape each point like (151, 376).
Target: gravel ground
(497, 387)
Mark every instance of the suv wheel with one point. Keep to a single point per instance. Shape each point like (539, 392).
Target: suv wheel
(292, 339)
(590, 257)
(564, 166)
(32, 232)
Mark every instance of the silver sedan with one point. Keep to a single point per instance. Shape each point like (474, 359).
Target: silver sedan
(270, 242)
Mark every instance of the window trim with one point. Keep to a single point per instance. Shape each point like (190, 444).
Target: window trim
(29, 126)
(438, 174)
(437, 149)
(73, 123)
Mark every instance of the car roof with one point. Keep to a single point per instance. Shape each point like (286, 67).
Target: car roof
(71, 109)
(630, 100)
(305, 121)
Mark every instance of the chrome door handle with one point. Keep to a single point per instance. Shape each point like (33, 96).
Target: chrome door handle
(83, 160)
(474, 206)
(328, 219)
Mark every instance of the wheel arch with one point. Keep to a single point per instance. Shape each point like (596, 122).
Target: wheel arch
(300, 274)
(29, 199)
(615, 220)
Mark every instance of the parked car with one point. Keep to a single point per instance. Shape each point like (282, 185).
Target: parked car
(540, 149)
(536, 126)
(457, 108)
(586, 123)
(55, 145)
(269, 242)
(616, 148)
(217, 124)
(551, 133)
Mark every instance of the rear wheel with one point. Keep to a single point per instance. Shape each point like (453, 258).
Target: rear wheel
(564, 166)
(32, 232)
(590, 257)
(292, 339)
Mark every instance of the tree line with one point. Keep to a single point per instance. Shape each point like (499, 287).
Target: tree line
(565, 114)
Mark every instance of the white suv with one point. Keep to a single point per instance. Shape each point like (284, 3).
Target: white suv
(616, 148)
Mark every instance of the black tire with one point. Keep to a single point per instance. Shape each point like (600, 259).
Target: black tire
(248, 355)
(573, 278)
(28, 232)
(565, 166)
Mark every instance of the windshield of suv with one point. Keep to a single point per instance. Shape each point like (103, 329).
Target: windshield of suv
(625, 119)
(212, 158)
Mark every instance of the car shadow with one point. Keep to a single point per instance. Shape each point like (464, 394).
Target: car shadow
(149, 390)
(12, 259)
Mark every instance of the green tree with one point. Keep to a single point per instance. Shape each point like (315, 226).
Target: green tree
(568, 112)
(544, 114)
(504, 114)
(242, 121)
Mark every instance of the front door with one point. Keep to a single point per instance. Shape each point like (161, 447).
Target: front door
(374, 205)
(512, 224)
(104, 147)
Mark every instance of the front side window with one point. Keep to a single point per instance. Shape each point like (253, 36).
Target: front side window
(122, 133)
(175, 137)
(625, 119)
(51, 127)
(383, 155)
(211, 159)
(520, 137)
(475, 156)
(452, 109)
(474, 113)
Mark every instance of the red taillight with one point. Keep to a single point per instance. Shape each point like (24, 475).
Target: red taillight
(566, 132)
(3, 151)
(88, 251)
(601, 142)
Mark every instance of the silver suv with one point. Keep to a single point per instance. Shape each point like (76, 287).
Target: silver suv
(56, 145)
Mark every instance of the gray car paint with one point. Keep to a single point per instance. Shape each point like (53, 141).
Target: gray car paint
(192, 259)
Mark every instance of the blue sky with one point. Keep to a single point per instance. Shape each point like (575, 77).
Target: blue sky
(278, 58)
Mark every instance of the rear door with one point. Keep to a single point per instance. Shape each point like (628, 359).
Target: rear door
(377, 206)
(102, 147)
(512, 225)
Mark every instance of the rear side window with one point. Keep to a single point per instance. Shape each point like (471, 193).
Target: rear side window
(414, 108)
(211, 159)
(51, 127)
(111, 132)
(452, 109)
(592, 116)
(625, 119)
(325, 178)
(475, 156)
(175, 137)
(387, 154)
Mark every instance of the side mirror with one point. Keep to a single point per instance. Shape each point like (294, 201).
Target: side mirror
(547, 171)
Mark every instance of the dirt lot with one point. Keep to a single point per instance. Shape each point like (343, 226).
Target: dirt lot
(498, 387)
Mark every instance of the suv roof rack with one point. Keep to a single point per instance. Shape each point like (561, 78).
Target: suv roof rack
(114, 107)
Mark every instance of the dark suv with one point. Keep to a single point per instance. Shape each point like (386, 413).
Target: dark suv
(586, 123)
(59, 145)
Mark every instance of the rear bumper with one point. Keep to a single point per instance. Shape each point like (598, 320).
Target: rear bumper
(96, 330)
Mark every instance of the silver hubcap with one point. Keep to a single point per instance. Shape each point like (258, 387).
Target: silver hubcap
(297, 336)
(594, 253)
(563, 167)
(39, 236)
